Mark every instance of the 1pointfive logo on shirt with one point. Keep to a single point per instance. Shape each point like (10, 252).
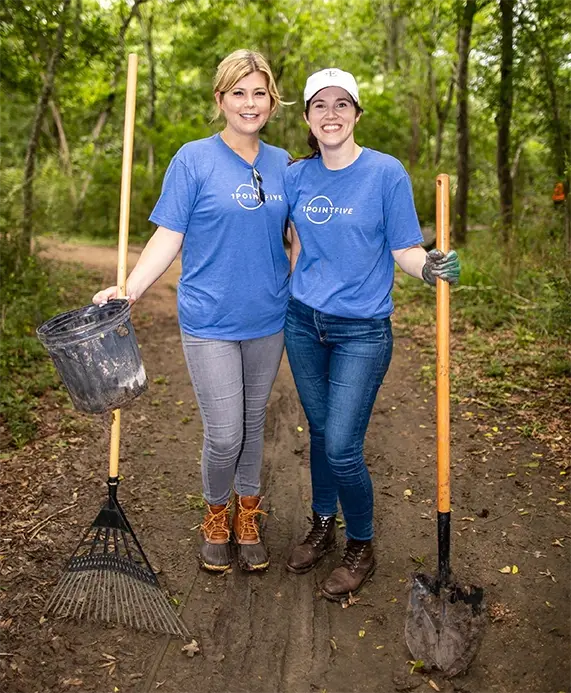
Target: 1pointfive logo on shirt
(247, 197)
(321, 209)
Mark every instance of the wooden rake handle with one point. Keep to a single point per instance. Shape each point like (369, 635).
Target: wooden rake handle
(443, 348)
(124, 211)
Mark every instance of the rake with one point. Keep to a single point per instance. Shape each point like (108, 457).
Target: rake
(108, 577)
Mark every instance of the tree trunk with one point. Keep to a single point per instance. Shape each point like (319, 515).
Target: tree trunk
(106, 112)
(414, 146)
(392, 21)
(460, 220)
(562, 145)
(63, 148)
(442, 112)
(503, 119)
(147, 29)
(25, 241)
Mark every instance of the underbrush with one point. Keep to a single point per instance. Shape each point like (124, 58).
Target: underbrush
(510, 332)
(34, 292)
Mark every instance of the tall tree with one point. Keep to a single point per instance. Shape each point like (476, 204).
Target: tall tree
(25, 244)
(466, 13)
(504, 117)
(107, 109)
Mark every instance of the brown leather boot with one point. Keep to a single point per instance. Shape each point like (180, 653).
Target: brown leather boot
(215, 554)
(319, 541)
(252, 554)
(358, 565)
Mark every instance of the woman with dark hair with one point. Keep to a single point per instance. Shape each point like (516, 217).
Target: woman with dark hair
(353, 217)
(223, 203)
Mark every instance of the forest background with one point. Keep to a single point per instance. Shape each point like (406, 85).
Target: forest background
(477, 89)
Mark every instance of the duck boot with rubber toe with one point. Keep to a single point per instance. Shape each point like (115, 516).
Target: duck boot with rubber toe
(215, 554)
(357, 566)
(319, 541)
(252, 554)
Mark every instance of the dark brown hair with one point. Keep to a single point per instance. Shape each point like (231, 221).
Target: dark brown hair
(312, 142)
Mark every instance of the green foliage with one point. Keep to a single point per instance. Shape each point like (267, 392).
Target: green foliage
(403, 55)
(30, 294)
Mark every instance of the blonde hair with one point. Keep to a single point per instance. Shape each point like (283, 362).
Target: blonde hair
(238, 65)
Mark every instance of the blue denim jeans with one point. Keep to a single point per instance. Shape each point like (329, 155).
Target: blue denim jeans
(338, 365)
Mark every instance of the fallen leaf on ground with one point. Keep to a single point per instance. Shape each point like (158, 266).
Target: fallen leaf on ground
(548, 573)
(350, 601)
(417, 664)
(506, 570)
(191, 649)
(433, 685)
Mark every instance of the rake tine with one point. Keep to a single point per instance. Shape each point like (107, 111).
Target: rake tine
(71, 596)
(124, 600)
(83, 585)
(92, 601)
(165, 610)
(116, 600)
(171, 618)
(150, 597)
(137, 614)
(56, 596)
(108, 601)
(142, 591)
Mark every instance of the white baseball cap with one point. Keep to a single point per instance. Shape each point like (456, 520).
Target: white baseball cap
(330, 77)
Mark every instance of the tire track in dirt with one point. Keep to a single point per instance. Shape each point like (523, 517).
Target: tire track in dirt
(258, 619)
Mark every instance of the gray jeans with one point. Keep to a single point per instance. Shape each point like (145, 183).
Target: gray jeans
(232, 382)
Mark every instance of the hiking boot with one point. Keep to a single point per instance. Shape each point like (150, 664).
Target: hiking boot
(252, 554)
(215, 552)
(358, 564)
(319, 541)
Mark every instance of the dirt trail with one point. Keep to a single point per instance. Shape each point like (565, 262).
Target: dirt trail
(271, 632)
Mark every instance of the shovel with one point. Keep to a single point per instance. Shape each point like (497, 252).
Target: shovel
(445, 619)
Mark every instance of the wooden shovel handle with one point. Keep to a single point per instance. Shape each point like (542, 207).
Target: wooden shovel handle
(443, 348)
(124, 211)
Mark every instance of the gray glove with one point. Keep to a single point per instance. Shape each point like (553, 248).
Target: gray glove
(441, 266)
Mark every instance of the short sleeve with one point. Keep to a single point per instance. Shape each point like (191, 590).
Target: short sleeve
(290, 186)
(178, 195)
(402, 229)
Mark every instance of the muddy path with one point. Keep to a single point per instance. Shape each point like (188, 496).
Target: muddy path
(272, 633)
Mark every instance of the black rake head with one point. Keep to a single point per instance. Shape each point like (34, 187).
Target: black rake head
(109, 578)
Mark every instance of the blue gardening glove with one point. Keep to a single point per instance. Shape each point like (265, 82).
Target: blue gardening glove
(441, 266)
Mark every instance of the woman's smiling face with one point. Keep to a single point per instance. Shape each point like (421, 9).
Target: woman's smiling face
(332, 116)
(247, 105)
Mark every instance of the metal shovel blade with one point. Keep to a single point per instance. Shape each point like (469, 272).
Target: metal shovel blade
(444, 625)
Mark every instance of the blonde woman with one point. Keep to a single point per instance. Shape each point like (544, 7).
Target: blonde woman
(223, 203)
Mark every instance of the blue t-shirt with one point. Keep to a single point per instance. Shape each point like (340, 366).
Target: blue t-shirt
(234, 282)
(348, 221)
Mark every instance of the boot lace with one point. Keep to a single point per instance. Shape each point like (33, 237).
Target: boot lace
(353, 554)
(318, 530)
(248, 523)
(217, 525)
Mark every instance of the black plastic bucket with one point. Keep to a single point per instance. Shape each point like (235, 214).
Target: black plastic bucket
(95, 352)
